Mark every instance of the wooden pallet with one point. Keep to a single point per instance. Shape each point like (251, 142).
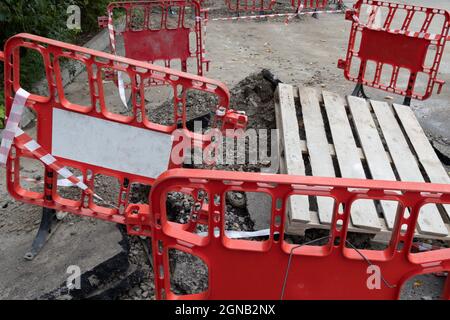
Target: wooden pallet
(323, 134)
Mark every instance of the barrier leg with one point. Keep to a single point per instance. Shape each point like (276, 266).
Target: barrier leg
(45, 230)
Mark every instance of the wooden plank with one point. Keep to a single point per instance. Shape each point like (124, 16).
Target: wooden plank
(318, 147)
(377, 160)
(304, 149)
(287, 123)
(425, 152)
(429, 221)
(363, 213)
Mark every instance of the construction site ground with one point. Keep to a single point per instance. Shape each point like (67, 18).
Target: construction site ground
(303, 52)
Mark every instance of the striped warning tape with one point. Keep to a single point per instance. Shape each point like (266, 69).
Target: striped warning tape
(40, 153)
(276, 15)
(60, 182)
(119, 73)
(375, 22)
(12, 131)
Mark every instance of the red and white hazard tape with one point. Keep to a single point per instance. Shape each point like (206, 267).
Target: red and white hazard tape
(120, 83)
(276, 15)
(240, 234)
(12, 124)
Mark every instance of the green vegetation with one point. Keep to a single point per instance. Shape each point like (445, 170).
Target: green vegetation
(2, 115)
(46, 18)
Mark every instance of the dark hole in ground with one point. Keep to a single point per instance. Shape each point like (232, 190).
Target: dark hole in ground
(443, 157)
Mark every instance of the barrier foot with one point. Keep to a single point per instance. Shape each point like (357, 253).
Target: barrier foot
(359, 91)
(48, 220)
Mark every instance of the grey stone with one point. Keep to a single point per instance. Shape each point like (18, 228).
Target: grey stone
(259, 206)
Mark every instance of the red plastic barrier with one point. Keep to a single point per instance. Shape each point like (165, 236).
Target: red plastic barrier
(396, 47)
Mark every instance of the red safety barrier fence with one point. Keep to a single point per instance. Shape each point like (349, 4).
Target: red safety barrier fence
(273, 268)
(396, 47)
(263, 5)
(92, 137)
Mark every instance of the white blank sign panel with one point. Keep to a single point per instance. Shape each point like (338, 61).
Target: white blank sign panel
(109, 144)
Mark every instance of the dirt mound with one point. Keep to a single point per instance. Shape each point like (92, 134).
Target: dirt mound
(255, 96)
